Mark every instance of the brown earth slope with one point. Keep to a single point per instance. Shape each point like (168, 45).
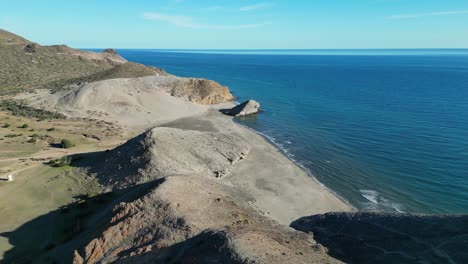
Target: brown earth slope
(25, 65)
(188, 213)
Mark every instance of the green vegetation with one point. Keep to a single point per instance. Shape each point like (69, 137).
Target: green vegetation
(6, 125)
(24, 126)
(51, 129)
(23, 71)
(126, 70)
(18, 108)
(67, 143)
(62, 162)
(13, 135)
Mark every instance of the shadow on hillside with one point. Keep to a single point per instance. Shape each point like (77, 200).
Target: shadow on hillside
(52, 237)
(210, 246)
(390, 238)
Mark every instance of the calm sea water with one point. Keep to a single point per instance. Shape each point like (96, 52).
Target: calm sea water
(385, 129)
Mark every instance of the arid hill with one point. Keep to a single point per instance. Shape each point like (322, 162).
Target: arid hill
(187, 213)
(25, 65)
(125, 70)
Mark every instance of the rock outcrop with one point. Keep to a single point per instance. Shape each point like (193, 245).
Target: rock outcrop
(390, 238)
(111, 51)
(249, 107)
(30, 48)
(199, 91)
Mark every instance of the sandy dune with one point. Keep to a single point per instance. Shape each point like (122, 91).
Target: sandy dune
(133, 102)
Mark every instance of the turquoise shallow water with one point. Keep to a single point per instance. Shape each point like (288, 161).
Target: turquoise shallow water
(385, 129)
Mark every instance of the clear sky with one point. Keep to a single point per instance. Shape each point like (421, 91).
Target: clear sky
(242, 24)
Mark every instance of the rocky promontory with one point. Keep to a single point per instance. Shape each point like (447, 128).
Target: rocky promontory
(390, 238)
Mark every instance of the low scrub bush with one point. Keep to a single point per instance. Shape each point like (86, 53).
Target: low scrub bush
(67, 143)
(19, 108)
(13, 135)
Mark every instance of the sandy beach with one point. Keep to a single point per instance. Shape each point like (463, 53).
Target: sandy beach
(281, 189)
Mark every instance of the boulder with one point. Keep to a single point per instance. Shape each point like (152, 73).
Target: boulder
(111, 51)
(30, 48)
(249, 107)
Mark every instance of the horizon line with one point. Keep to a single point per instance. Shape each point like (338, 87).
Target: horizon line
(283, 49)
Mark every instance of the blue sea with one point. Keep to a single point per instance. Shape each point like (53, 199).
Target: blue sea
(384, 129)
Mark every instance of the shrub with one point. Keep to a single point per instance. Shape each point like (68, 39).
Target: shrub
(51, 129)
(62, 162)
(6, 125)
(19, 108)
(13, 135)
(24, 126)
(67, 143)
(33, 140)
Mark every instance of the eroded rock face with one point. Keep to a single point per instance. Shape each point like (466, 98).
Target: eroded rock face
(199, 91)
(196, 219)
(249, 107)
(164, 151)
(390, 238)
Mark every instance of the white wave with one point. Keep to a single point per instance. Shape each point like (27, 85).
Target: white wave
(378, 202)
(370, 195)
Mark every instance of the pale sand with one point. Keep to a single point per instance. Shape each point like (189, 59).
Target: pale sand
(281, 189)
(132, 102)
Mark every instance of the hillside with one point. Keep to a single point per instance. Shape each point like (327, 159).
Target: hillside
(185, 210)
(126, 70)
(25, 65)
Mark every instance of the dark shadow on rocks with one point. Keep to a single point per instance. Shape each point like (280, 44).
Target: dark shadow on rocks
(119, 167)
(210, 246)
(390, 238)
(52, 237)
(56, 145)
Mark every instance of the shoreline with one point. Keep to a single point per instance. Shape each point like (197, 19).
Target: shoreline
(271, 141)
(312, 176)
(280, 188)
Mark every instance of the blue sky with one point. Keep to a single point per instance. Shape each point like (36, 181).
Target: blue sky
(242, 24)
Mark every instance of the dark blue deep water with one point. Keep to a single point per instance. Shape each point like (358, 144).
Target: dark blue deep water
(386, 130)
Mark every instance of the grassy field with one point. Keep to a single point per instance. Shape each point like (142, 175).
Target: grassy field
(16, 143)
(34, 193)
(43, 206)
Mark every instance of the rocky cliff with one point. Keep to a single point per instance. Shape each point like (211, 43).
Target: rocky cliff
(390, 238)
